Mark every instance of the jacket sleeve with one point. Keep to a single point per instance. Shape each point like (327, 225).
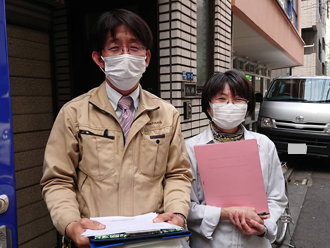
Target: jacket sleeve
(177, 182)
(276, 197)
(59, 172)
(202, 219)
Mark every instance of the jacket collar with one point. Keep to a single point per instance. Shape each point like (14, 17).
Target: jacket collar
(207, 136)
(147, 102)
(100, 99)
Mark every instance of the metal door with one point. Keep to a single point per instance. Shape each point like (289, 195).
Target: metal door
(8, 219)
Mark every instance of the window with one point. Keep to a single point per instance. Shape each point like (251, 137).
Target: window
(284, 4)
(320, 7)
(291, 9)
(251, 67)
(240, 65)
(205, 40)
(306, 90)
(294, 12)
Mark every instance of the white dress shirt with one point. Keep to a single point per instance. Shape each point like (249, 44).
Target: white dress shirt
(204, 221)
(114, 97)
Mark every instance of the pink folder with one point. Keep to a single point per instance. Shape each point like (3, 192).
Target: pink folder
(231, 174)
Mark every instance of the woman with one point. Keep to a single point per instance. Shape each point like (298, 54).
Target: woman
(227, 99)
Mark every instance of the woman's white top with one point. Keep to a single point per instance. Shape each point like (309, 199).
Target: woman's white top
(204, 221)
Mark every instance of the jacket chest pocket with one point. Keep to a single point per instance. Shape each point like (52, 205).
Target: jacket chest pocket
(154, 151)
(97, 154)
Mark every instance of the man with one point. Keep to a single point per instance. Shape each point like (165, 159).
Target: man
(116, 150)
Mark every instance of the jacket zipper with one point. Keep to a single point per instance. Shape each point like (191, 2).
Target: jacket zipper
(105, 112)
(93, 134)
(147, 110)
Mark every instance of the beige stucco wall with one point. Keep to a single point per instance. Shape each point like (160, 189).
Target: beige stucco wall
(309, 14)
(312, 28)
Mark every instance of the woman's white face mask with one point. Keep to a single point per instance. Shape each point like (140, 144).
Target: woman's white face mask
(124, 71)
(228, 116)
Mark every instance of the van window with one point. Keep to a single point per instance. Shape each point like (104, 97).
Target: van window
(299, 90)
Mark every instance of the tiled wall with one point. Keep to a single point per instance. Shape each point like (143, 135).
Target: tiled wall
(309, 13)
(222, 46)
(30, 64)
(178, 52)
(61, 57)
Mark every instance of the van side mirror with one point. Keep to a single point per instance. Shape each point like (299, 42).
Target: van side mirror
(259, 97)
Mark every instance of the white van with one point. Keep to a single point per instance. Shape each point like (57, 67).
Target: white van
(295, 115)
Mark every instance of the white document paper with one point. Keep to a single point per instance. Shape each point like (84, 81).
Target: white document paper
(136, 224)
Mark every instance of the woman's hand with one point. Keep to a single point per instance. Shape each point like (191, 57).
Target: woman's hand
(245, 225)
(250, 214)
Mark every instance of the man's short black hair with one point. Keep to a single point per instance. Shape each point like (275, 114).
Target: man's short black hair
(238, 84)
(111, 20)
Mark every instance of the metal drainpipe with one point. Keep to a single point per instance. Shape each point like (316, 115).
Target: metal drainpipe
(170, 9)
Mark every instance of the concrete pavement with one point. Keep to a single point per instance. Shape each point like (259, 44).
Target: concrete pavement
(309, 203)
(296, 195)
(312, 229)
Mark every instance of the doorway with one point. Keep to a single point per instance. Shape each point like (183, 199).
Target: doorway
(82, 15)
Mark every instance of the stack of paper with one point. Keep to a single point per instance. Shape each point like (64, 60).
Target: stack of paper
(136, 224)
(137, 231)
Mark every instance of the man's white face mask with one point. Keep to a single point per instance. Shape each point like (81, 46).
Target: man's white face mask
(228, 116)
(124, 71)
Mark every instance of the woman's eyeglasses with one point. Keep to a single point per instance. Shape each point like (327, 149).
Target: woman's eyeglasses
(236, 100)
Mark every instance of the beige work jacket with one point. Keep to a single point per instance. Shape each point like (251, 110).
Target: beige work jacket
(89, 171)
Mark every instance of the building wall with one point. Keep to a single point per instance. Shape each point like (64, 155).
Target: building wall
(271, 22)
(31, 94)
(32, 109)
(39, 60)
(178, 52)
(223, 25)
(280, 72)
(309, 15)
(327, 56)
(62, 76)
(30, 52)
(310, 56)
(313, 29)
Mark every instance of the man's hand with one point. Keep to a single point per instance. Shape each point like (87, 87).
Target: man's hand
(246, 226)
(75, 229)
(170, 218)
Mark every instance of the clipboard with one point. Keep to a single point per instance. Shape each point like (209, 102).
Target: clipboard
(231, 174)
(112, 242)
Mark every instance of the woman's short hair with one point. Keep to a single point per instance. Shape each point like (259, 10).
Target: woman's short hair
(238, 84)
(111, 20)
